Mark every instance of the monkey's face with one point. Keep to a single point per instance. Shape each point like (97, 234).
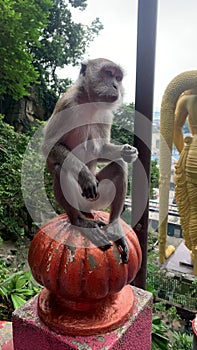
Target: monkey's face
(103, 81)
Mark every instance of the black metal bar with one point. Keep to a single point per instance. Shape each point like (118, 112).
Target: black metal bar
(146, 42)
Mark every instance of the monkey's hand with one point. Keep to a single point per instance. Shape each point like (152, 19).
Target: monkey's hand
(88, 183)
(129, 154)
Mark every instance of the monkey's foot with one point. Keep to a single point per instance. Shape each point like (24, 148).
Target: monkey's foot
(124, 249)
(115, 233)
(92, 230)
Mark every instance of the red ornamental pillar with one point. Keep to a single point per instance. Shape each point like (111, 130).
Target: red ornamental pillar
(86, 290)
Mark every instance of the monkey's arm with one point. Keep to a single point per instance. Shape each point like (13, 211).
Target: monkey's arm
(56, 155)
(110, 151)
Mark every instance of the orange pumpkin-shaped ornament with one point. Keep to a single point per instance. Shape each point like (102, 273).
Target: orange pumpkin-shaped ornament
(86, 290)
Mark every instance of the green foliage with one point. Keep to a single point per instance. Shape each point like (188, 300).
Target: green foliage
(154, 177)
(181, 341)
(4, 271)
(123, 131)
(123, 125)
(174, 289)
(16, 289)
(159, 329)
(125, 116)
(21, 25)
(165, 329)
(63, 42)
(172, 314)
(12, 147)
(15, 221)
(152, 267)
(36, 38)
(78, 3)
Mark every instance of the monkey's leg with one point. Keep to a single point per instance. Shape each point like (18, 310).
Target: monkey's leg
(117, 173)
(88, 228)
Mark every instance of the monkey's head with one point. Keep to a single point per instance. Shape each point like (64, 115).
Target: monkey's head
(102, 81)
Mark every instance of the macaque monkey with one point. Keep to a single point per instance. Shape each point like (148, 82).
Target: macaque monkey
(76, 139)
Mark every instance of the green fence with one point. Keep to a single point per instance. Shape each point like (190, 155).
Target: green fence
(174, 289)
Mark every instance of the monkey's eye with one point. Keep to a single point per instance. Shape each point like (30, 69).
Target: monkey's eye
(109, 73)
(118, 78)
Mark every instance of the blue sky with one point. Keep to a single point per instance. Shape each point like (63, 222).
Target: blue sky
(176, 49)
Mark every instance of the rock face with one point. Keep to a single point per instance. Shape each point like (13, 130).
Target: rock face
(21, 114)
(8, 252)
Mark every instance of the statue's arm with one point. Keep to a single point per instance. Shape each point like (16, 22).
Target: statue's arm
(180, 118)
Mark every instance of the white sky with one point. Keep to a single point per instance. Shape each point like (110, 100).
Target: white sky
(176, 49)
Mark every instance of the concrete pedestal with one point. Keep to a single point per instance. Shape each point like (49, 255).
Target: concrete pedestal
(6, 342)
(29, 333)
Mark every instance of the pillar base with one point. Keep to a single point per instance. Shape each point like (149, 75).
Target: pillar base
(30, 333)
(105, 315)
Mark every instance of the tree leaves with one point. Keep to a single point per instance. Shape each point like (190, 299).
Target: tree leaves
(12, 146)
(63, 41)
(21, 23)
(36, 38)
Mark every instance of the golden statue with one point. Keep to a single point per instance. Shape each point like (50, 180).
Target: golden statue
(186, 168)
(179, 103)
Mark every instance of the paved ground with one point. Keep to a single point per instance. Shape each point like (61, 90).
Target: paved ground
(180, 260)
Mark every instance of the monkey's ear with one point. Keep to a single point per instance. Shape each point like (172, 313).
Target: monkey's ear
(83, 69)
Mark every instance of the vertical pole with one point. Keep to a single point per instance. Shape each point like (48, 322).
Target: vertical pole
(146, 42)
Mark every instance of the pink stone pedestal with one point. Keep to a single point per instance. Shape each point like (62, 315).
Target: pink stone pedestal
(29, 332)
(194, 327)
